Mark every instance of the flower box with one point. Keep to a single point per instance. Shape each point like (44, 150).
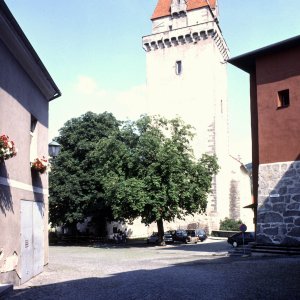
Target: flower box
(7, 148)
(40, 165)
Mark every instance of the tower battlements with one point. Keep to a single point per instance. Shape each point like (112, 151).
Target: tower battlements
(187, 35)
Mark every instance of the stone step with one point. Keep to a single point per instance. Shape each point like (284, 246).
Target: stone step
(5, 290)
(275, 249)
(262, 246)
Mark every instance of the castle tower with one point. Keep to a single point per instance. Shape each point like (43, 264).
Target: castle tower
(186, 76)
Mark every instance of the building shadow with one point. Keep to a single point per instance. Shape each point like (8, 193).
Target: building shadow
(18, 94)
(6, 203)
(38, 184)
(220, 278)
(278, 209)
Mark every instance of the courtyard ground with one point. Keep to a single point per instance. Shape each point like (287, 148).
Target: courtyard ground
(202, 271)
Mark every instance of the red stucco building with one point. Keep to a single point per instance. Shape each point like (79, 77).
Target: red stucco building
(275, 108)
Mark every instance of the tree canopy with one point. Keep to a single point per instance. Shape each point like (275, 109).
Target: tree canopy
(132, 169)
(75, 185)
(153, 172)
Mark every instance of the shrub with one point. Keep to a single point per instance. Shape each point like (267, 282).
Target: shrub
(230, 224)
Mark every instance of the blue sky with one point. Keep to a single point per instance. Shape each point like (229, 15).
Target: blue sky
(93, 51)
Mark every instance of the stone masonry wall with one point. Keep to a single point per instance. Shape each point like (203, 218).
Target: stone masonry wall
(278, 211)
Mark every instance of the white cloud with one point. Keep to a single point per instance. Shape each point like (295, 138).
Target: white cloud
(131, 103)
(86, 94)
(86, 85)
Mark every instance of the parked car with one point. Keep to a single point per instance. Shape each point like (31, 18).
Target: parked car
(237, 239)
(180, 235)
(200, 233)
(192, 239)
(153, 239)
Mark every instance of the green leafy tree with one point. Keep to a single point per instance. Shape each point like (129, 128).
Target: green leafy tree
(75, 184)
(113, 170)
(151, 171)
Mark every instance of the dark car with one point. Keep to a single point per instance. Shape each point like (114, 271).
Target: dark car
(200, 233)
(180, 235)
(153, 239)
(237, 239)
(168, 237)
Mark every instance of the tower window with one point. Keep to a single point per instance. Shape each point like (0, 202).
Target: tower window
(283, 99)
(178, 67)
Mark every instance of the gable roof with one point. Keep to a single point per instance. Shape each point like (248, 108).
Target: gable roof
(16, 41)
(247, 61)
(163, 7)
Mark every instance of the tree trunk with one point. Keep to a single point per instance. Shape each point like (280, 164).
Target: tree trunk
(160, 230)
(72, 229)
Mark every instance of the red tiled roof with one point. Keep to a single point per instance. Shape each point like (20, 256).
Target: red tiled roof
(163, 6)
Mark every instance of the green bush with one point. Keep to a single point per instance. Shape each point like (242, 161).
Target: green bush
(230, 224)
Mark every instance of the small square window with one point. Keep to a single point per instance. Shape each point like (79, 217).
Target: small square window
(178, 67)
(283, 99)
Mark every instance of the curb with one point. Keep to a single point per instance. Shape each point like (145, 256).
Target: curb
(218, 238)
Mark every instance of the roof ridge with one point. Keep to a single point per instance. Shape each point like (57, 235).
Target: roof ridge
(162, 8)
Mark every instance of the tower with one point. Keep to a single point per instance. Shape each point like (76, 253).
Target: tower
(186, 76)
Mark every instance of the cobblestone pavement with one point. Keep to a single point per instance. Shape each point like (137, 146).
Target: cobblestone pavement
(202, 271)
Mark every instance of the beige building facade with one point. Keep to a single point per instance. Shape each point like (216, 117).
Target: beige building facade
(25, 91)
(186, 76)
